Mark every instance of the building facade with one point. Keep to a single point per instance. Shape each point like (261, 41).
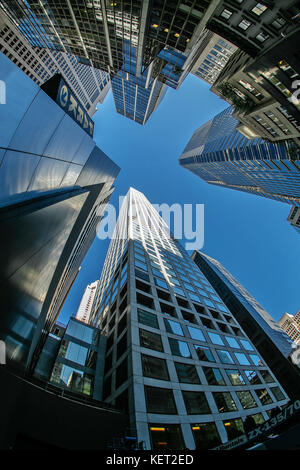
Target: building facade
(87, 302)
(148, 44)
(274, 345)
(255, 26)
(55, 183)
(220, 153)
(291, 325)
(256, 106)
(294, 218)
(176, 359)
(216, 52)
(89, 84)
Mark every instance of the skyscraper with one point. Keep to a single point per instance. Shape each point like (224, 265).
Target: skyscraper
(54, 186)
(176, 357)
(220, 154)
(271, 341)
(87, 302)
(213, 58)
(291, 325)
(294, 218)
(89, 84)
(140, 41)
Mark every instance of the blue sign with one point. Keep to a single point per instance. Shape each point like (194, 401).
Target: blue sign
(69, 103)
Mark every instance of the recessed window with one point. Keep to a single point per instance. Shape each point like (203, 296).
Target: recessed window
(259, 9)
(232, 342)
(225, 357)
(264, 396)
(147, 318)
(196, 403)
(278, 23)
(267, 376)
(179, 348)
(256, 360)
(253, 377)
(150, 340)
(277, 393)
(235, 377)
(234, 428)
(155, 367)
(215, 339)
(187, 373)
(206, 435)
(160, 400)
(204, 354)
(244, 24)
(213, 376)
(196, 333)
(242, 359)
(173, 327)
(261, 37)
(247, 345)
(224, 402)
(226, 13)
(246, 399)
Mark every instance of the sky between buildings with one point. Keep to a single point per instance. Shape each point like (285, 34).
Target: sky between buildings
(248, 234)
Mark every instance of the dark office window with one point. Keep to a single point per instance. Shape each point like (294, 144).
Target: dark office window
(267, 376)
(108, 363)
(234, 428)
(224, 402)
(150, 340)
(246, 399)
(160, 400)
(264, 396)
(122, 324)
(196, 403)
(188, 316)
(277, 393)
(142, 286)
(147, 318)
(167, 309)
(142, 275)
(144, 300)
(187, 373)
(179, 348)
(213, 376)
(182, 303)
(163, 295)
(155, 367)
(204, 354)
(206, 435)
(121, 401)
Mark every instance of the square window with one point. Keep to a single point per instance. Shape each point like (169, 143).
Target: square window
(155, 368)
(261, 37)
(160, 400)
(196, 403)
(277, 393)
(150, 340)
(147, 318)
(242, 359)
(196, 333)
(187, 373)
(235, 377)
(225, 357)
(244, 24)
(226, 14)
(213, 376)
(264, 396)
(179, 348)
(173, 327)
(232, 342)
(246, 399)
(224, 402)
(259, 9)
(215, 338)
(204, 354)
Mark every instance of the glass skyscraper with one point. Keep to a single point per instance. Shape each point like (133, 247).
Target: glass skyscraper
(176, 358)
(221, 155)
(54, 185)
(144, 46)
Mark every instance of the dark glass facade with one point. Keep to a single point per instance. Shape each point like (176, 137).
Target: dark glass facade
(219, 154)
(53, 179)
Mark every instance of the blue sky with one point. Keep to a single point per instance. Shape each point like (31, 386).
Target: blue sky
(249, 235)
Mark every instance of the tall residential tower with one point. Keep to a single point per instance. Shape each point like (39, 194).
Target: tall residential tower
(176, 358)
